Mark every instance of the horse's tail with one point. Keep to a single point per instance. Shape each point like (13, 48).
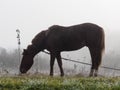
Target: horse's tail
(102, 46)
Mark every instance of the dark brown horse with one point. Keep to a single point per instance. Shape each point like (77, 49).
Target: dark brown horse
(58, 38)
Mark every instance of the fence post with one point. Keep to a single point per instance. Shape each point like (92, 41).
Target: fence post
(18, 38)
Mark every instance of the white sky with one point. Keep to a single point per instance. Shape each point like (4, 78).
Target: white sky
(32, 16)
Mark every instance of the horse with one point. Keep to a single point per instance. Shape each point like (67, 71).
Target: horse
(57, 39)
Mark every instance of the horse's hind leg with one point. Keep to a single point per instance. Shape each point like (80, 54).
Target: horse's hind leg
(96, 60)
(92, 53)
(60, 63)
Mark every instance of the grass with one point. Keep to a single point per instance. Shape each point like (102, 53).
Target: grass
(58, 83)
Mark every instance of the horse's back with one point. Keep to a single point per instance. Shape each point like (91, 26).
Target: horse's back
(74, 37)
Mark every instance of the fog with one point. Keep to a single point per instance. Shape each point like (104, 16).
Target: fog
(33, 16)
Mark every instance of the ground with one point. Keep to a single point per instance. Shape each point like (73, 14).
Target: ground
(42, 82)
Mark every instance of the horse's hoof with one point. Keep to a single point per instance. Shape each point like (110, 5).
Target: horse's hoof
(62, 75)
(51, 74)
(95, 75)
(90, 75)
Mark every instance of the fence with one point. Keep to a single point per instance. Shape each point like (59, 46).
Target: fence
(118, 69)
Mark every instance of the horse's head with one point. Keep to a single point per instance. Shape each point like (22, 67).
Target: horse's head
(38, 44)
(27, 60)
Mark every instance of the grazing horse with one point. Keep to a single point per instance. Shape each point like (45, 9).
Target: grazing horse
(58, 38)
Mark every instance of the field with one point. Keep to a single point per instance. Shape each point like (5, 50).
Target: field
(39, 82)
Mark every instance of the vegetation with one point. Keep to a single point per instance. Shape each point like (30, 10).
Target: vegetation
(58, 83)
(42, 82)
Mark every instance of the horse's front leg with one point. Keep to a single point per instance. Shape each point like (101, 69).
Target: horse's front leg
(60, 64)
(52, 60)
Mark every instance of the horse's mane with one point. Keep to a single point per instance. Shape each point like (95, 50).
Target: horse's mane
(39, 38)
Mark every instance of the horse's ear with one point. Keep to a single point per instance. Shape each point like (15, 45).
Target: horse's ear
(24, 51)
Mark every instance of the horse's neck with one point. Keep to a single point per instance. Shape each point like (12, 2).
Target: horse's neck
(37, 49)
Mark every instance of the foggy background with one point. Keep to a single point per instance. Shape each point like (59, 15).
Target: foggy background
(33, 16)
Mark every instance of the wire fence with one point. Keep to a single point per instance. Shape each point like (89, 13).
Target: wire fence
(66, 59)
